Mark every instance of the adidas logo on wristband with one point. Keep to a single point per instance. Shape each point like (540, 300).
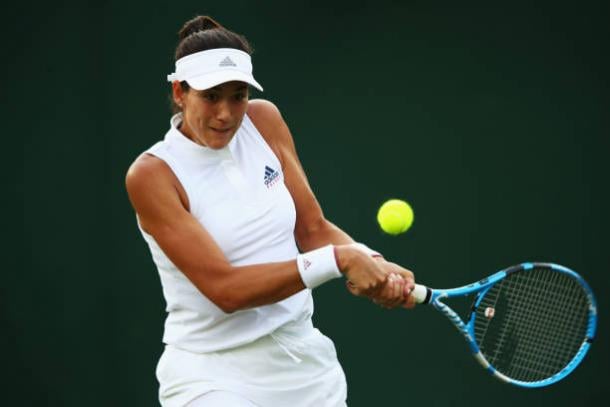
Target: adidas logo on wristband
(318, 266)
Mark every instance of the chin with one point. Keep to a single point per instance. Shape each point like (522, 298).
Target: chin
(218, 144)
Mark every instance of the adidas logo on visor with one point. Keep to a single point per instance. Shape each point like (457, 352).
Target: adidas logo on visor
(227, 62)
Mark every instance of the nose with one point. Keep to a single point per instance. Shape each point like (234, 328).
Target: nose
(223, 111)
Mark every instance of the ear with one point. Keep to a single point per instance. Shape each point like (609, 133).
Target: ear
(177, 93)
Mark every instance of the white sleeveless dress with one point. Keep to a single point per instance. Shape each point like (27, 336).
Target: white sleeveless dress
(271, 355)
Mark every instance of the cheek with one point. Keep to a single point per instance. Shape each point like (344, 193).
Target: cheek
(241, 109)
(239, 115)
(196, 116)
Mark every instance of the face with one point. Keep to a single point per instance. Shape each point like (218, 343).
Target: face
(211, 117)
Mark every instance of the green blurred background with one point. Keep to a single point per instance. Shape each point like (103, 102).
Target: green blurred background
(491, 118)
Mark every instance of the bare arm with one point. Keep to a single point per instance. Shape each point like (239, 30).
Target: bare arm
(312, 229)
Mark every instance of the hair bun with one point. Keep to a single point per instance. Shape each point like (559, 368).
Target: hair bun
(199, 23)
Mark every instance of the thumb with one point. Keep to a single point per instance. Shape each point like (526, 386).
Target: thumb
(351, 287)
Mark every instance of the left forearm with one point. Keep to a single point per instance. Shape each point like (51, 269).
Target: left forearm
(322, 233)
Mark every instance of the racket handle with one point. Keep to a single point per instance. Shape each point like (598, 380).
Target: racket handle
(421, 293)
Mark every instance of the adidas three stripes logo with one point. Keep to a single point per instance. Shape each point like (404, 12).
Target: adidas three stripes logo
(271, 176)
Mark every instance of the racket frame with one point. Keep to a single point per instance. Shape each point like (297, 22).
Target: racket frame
(435, 297)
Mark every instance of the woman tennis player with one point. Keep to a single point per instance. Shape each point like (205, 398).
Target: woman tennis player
(239, 241)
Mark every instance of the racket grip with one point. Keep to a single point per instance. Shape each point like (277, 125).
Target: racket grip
(421, 293)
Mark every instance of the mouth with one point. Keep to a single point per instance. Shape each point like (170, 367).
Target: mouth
(223, 131)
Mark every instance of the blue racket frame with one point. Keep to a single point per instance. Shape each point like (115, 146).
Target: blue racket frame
(481, 287)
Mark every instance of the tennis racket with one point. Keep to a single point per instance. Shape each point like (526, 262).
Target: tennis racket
(530, 325)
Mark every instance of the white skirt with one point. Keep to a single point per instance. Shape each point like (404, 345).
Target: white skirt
(294, 366)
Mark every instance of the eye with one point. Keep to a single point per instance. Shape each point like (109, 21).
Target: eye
(210, 96)
(240, 96)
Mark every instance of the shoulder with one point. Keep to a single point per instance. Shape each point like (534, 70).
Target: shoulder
(154, 192)
(261, 110)
(146, 168)
(148, 176)
(268, 120)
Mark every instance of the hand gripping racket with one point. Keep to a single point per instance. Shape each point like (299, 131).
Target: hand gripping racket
(530, 325)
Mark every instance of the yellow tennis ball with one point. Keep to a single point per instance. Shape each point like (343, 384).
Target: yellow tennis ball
(395, 216)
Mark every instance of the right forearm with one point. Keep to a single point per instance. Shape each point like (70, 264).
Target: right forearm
(254, 285)
(261, 284)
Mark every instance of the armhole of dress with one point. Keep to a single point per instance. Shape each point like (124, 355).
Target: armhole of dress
(161, 151)
(261, 140)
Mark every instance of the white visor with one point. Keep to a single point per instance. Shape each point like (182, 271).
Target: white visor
(206, 69)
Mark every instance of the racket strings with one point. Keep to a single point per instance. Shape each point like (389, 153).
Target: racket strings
(537, 336)
(539, 323)
(541, 363)
(525, 364)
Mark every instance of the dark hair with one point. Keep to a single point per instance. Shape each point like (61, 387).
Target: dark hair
(202, 33)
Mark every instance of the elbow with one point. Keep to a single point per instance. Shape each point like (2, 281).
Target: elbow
(228, 305)
(221, 287)
(226, 299)
(305, 233)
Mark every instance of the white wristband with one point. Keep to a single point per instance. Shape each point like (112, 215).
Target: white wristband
(367, 250)
(318, 266)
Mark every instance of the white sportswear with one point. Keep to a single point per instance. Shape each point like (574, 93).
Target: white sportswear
(238, 195)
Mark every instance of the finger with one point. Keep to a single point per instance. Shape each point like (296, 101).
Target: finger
(399, 290)
(380, 285)
(408, 289)
(403, 291)
(410, 302)
(406, 274)
(409, 282)
(397, 286)
(372, 281)
(381, 297)
(394, 293)
(385, 294)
